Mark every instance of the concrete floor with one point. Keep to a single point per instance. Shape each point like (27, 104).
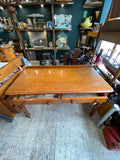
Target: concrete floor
(55, 132)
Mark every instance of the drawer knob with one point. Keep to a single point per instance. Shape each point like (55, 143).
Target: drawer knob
(48, 102)
(71, 101)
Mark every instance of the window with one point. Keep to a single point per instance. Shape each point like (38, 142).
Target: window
(107, 50)
(116, 54)
(107, 47)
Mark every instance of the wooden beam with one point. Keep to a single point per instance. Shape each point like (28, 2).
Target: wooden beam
(13, 12)
(94, 52)
(52, 9)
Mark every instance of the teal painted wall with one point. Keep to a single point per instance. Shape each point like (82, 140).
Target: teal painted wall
(77, 13)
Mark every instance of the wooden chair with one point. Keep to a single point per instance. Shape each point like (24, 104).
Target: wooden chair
(75, 53)
(66, 59)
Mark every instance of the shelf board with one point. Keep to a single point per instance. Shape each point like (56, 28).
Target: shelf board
(44, 29)
(90, 28)
(36, 3)
(61, 49)
(45, 48)
(10, 30)
(61, 29)
(92, 4)
(65, 3)
(35, 30)
(39, 48)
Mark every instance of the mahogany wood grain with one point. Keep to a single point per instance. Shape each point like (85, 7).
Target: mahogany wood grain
(59, 79)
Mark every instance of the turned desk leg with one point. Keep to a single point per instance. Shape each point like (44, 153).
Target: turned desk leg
(22, 106)
(96, 104)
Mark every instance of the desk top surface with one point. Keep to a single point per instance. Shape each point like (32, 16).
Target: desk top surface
(58, 79)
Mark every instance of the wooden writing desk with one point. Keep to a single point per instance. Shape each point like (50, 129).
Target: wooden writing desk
(70, 84)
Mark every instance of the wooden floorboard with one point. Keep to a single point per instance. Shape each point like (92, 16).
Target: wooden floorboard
(55, 132)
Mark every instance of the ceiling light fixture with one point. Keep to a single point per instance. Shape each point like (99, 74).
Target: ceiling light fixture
(42, 5)
(1, 8)
(62, 5)
(20, 6)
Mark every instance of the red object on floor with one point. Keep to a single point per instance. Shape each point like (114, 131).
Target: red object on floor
(112, 138)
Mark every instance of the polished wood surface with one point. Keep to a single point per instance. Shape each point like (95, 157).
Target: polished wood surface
(36, 101)
(58, 79)
(84, 99)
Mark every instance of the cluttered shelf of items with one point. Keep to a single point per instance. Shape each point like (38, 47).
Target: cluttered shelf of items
(89, 30)
(37, 27)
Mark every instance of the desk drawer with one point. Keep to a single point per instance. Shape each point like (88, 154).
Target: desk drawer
(36, 100)
(83, 98)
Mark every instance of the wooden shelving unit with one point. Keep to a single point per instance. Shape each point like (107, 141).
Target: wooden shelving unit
(93, 4)
(53, 30)
(62, 49)
(8, 30)
(41, 30)
(39, 48)
(35, 30)
(45, 48)
(61, 29)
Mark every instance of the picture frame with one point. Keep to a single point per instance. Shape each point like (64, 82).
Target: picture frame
(38, 39)
(83, 39)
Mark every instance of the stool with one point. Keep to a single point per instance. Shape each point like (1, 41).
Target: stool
(46, 55)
